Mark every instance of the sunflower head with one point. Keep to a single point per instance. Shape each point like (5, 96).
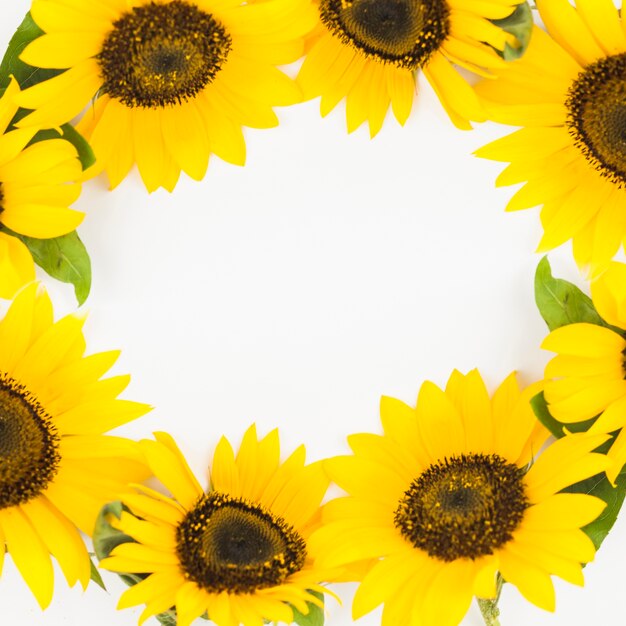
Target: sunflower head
(368, 52)
(163, 84)
(452, 493)
(404, 33)
(568, 95)
(57, 468)
(586, 380)
(37, 186)
(465, 506)
(162, 54)
(233, 545)
(596, 116)
(239, 551)
(29, 445)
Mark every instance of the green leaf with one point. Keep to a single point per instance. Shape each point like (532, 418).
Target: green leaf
(599, 485)
(520, 25)
(315, 616)
(86, 155)
(95, 574)
(26, 75)
(561, 303)
(64, 258)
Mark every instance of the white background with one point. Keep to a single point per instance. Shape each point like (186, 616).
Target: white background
(297, 290)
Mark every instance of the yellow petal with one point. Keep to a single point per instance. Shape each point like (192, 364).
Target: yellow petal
(61, 98)
(441, 427)
(533, 582)
(172, 472)
(602, 19)
(17, 267)
(54, 51)
(185, 138)
(583, 339)
(29, 554)
(41, 221)
(60, 538)
(609, 295)
(191, 602)
(567, 461)
(569, 30)
(453, 91)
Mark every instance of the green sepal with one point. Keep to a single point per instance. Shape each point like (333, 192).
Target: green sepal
(599, 485)
(167, 619)
(86, 155)
(105, 537)
(95, 574)
(315, 616)
(560, 302)
(520, 25)
(26, 75)
(64, 258)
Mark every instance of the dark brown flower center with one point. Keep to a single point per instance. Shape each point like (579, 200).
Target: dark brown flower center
(463, 507)
(404, 33)
(29, 456)
(230, 544)
(162, 53)
(596, 118)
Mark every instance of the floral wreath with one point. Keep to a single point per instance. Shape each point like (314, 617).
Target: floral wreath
(454, 497)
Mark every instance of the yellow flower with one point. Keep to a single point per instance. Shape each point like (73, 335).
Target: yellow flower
(446, 498)
(587, 377)
(368, 52)
(56, 467)
(36, 188)
(239, 551)
(175, 79)
(567, 93)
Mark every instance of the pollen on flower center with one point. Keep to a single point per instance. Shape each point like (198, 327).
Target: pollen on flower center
(161, 54)
(463, 507)
(230, 544)
(404, 33)
(596, 117)
(29, 456)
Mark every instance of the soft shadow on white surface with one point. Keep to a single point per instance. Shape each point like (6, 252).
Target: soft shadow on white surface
(296, 291)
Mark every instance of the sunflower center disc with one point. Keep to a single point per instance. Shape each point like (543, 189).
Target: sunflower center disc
(161, 54)
(463, 507)
(404, 33)
(29, 456)
(597, 116)
(230, 544)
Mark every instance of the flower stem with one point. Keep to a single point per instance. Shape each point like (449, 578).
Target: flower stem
(490, 611)
(489, 608)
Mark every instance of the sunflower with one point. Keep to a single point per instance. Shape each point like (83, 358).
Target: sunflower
(368, 52)
(238, 552)
(56, 467)
(568, 93)
(450, 495)
(36, 188)
(587, 377)
(175, 80)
